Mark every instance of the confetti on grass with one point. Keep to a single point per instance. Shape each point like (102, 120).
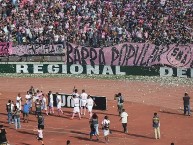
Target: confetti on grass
(174, 81)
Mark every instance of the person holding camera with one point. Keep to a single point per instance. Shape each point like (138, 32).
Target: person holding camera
(120, 102)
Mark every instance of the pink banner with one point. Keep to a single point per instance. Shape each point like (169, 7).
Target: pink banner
(5, 48)
(132, 54)
(126, 54)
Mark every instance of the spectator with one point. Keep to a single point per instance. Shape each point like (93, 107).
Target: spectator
(186, 100)
(3, 138)
(26, 109)
(9, 113)
(120, 102)
(68, 142)
(156, 126)
(124, 119)
(17, 117)
(96, 23)
(95, 122)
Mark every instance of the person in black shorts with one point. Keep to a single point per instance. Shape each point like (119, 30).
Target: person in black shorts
(41, 121)
(3, 138)
(68, 142)
(38, 107)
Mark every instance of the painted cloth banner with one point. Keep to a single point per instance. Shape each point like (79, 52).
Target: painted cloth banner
(132, 54)
(5, 48)
(38, 49)
(126, 54)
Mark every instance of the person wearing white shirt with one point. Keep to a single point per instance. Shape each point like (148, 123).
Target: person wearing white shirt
(18, 101)
(76, 106)
(59, 103)
(105, 126)
(44, 105)
(90, 104)
(28, 98)
(51, 102)
(83, 97)
(75, 92)
(56, 37)
(124, 118)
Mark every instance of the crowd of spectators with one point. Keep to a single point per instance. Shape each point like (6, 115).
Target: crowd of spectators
(96, 23)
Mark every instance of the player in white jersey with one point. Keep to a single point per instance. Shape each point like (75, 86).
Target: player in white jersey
(76, 106)
(44, 104)
(83, 98)
(18, 101)
(90, 104)
(28, 98)
(51, 102)
(39, 94)
(59, 103)
(75, 92)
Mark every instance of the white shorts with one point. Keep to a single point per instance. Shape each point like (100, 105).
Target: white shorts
(34, 99)
(106, 132)
(59, 105)
(76, 110)
(89, 108)
(51, 104)
(83, 103)
(44, 107)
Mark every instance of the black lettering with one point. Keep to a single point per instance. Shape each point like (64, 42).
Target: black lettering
(142, 63)
(69, 53)
(46, 48)
(160, 51)
(77, 56)
(179, 55)
(191, 64)
(184, 59)
(93, 56)
(124, 47)
(175, 51)
(84, 54)
(155, 51)
(52, 49)
(101, 57)
(59, 48)
(130, 53)
(137, 58)
(30, 49)
(115, 54)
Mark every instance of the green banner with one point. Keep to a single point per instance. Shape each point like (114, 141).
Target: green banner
(59, 68)
(55, 68)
